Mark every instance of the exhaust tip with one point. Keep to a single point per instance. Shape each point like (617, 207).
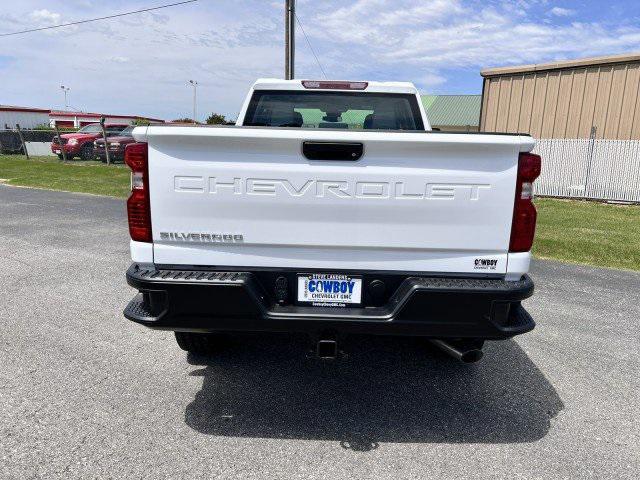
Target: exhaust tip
(462, 351)
(471, 356)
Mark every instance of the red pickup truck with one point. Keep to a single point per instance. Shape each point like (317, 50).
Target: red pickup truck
(80, 143)
(117, 144)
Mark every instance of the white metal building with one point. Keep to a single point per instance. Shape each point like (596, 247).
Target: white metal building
(80, 119)
(24, 116)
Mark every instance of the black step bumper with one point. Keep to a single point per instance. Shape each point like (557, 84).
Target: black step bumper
(208, 301)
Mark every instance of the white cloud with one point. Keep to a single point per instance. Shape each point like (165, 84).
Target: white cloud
(429, 80)
(444, 35)
(562, 12)
(226, 45)
(44, 16)
(426, 13)
(147, 59)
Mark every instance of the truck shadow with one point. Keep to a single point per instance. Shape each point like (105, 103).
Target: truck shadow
(382, 390)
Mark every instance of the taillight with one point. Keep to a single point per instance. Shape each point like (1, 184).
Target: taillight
(523, 226)
(333, 85)
(138, 205)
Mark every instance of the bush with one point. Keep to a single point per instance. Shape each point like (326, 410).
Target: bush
(183, 120)
(46, 127)
(216, 119)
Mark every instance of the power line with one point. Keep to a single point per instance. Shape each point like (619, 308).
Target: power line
(310, 47)
(97, 19)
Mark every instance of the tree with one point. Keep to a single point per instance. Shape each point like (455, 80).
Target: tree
(182, 120)
(216, 119)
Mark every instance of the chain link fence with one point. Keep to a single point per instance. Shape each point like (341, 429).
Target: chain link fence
(10, 140)
(589, 168)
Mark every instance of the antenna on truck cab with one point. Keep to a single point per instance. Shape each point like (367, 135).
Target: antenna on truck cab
(290, 39)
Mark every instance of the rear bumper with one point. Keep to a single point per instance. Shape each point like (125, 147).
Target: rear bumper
(207, 301)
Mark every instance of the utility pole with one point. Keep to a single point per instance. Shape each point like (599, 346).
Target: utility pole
(290, 39)
(65, 90)
(195, 87)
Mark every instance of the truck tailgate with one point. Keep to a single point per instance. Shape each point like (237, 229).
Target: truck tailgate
(414, 202)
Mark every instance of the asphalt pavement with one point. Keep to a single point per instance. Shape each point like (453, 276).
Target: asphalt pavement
(85, 393)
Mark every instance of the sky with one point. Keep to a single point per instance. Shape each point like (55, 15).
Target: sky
(141, 64)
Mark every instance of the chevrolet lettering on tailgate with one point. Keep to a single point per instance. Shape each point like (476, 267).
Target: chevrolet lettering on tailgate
(399, 190)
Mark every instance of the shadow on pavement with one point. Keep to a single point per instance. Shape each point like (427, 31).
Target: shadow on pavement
(381, 390)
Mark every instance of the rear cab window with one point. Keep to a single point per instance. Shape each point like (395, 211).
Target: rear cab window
(337, 110)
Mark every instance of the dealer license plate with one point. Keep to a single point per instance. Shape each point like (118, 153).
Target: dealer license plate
(331, 290)
(57, 151)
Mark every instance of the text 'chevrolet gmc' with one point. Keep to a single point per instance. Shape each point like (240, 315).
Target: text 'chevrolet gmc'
(331, 208)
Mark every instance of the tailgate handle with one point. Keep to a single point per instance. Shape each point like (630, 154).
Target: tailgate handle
(332, 150)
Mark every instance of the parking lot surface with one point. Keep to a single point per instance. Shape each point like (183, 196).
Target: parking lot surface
(85, 393)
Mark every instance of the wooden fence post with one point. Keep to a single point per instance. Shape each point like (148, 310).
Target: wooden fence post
(106, 145)
(24, 145)
(64, 154)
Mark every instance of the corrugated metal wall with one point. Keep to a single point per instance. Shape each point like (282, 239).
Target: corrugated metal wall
(565, 103)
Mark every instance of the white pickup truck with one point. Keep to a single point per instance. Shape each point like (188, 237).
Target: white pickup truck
(331, 208)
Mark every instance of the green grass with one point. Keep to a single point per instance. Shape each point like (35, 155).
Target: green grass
(598, 234)
(72, 176)
(568, 230)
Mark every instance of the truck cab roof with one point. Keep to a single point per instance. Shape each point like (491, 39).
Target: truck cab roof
(332, 85)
